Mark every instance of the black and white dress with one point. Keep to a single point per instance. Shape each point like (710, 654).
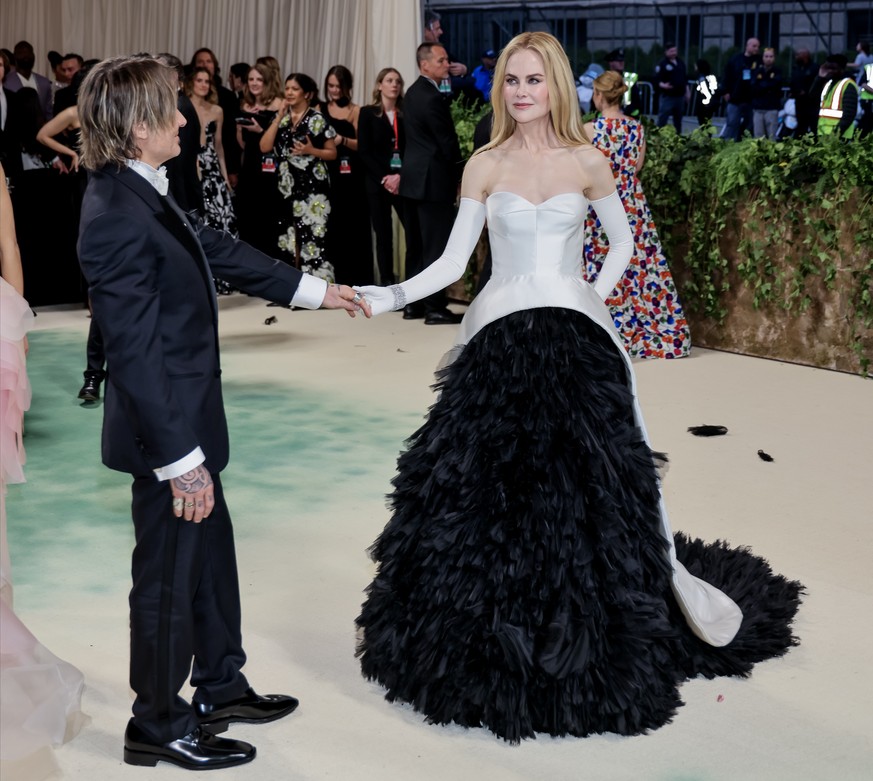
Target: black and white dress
(528, 579)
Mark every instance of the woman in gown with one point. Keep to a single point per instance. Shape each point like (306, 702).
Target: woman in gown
(381, 145)
(218, 209)
(528, 580)
(257, 195)
(644, 305)
(41, 694)
(217, 206)
(349, 242)
(303, 142)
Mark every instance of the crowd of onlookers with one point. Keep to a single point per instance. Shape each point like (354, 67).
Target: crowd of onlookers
(835, 96)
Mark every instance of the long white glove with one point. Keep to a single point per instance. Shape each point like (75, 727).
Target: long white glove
(447, 268)
(613, 218)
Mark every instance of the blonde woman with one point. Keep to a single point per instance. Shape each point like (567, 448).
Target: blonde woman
(645, 304)
(524, 580)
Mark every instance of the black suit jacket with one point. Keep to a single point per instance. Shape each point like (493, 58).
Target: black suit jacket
(432, 164)
(376, 144)
(229, 103)
(185, 185)
(149, 270)
(10, 136)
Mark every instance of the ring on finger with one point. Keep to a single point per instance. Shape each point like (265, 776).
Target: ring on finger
(357, 297)
(189, 504)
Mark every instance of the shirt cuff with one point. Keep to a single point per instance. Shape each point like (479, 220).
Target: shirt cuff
(310, 292)
(180, 467)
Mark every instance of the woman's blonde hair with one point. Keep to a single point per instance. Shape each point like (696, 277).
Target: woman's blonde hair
(212, 96)
(377, 93)
(563, 101)
(611, 86)
(118, 95)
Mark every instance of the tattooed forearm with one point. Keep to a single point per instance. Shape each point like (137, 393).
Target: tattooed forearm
(193, 481)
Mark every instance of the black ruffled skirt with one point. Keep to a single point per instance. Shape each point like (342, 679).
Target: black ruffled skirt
(523, 583)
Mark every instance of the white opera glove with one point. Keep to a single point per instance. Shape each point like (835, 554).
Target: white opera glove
(447, 268)
(610, 211)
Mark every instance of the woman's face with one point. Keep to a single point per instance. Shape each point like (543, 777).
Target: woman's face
(334, 91)
(256, 82)
(201, 85)
(769, 58)
(295, 97)
(525, 91)
(390, 86)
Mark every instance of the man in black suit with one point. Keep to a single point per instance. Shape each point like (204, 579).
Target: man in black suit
(432, 168)
(149, 268)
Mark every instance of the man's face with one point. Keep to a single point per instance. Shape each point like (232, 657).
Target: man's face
(802, 56)
(672, 53)
(69, 68)
(616, 65)
(158, 146)
(752, 47)
(433, 32)
(24, 59)
(437, 67)
(204, 60)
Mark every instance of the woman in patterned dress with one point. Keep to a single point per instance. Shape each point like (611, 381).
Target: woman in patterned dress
(303, 141)
(218, 210)
(217, 207)
(645, 305)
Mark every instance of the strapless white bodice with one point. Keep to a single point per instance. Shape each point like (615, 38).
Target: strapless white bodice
(543, 238)
(537, 262)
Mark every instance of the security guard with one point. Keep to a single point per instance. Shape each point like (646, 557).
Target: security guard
(839, 98)
(865, 86)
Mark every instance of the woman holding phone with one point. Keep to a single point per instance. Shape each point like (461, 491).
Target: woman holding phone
(302, 141)
(257, 197)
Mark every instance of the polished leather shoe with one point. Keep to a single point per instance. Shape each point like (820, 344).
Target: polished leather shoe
(442, 317)
(251, 708)
(90, 391)
(413, 312)
(198, 750)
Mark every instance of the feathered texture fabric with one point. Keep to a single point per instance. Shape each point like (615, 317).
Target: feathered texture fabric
(523, 582)
(708, 431)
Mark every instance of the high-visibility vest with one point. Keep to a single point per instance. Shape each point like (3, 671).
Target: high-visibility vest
(831, 110)
(629, 80)
(868, 69)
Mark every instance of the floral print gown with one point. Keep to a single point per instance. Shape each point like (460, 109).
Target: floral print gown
(644, 305)
(304, 184)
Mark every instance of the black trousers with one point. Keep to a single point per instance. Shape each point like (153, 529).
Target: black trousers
(184, 606)
(381, 203)
(433, 221)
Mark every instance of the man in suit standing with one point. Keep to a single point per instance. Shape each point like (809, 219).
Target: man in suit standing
(23, 76)
(149, 268)
(432, 168)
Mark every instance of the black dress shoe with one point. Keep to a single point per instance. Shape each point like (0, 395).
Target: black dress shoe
(251, 708)
(442, 317)
(198, 750)
(90, 391)
(413, 312)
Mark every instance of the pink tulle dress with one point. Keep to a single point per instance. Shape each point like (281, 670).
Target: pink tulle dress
(40, 695)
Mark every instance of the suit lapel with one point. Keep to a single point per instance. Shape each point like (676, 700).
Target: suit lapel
(168, 214)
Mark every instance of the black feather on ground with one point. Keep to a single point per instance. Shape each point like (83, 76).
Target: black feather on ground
(708, 431)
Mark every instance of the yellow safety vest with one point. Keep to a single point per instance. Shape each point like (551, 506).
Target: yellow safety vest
(831, 110)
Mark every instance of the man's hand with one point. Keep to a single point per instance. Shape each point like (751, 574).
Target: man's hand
(344, 297)
(193, 494)
(458, 69)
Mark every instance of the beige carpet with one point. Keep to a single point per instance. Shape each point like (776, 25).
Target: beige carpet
(308, 498)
